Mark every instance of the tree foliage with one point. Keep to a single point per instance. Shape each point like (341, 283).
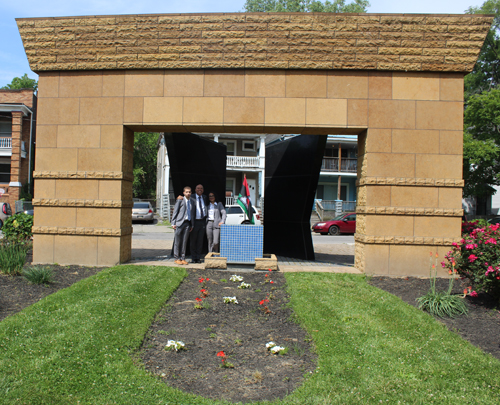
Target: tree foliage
(23, 82)
(302, 6)
(482, 112)
(145, 161)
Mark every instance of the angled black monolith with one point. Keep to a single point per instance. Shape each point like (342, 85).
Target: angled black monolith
(292, 173)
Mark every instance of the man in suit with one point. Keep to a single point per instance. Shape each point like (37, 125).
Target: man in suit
(200, 224)
(183, 222)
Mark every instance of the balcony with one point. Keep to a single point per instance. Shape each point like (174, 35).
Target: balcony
(331, 164)
(244, 162)
(6, 147)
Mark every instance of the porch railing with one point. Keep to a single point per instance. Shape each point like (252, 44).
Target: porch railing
(329, 205)
(331, 164)
(6, 143)
(243, 161)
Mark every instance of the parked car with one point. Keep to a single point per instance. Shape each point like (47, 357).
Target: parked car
(5, 212)
(494, 221)
(345, 223)
(236, 216)
(142, 211)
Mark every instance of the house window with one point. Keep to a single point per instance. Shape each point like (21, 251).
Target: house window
(4, 170)
(231, 147)
(249, 146)
(5, 127)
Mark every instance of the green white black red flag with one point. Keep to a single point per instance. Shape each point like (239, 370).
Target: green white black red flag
(244, 201)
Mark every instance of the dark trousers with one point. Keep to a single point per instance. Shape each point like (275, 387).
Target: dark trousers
(180, 240)
(197, 235)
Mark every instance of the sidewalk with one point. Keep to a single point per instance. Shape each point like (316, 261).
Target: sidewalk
(333, 258)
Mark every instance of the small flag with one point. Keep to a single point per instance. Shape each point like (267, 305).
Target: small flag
(244, 200)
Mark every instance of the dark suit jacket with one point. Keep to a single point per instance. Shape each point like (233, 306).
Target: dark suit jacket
(180, 212)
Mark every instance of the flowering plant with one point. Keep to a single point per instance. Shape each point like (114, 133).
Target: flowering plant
(175, 345)
(198, 304)
(225, 364)
(275, 349)
(244, 285)
(230, 300)
(268, 278)
(204, 293)
(236, 278)
(442, 303)
(477, 259)
(265, 308)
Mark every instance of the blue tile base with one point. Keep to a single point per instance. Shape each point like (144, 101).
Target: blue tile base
(241, 243)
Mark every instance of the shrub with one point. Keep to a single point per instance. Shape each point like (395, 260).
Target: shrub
(18, 227)
(442, 303)
(477, 259)
(38, 275)
(12, 256)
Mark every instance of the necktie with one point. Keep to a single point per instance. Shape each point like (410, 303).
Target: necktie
(188, 210)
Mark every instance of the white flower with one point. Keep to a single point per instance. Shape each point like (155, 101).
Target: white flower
(230, 300)
(270, 344)
(236, 278)
(244, 285)
(175, 345)
(276, 349)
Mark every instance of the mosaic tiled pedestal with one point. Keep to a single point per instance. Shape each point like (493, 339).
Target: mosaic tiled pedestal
(241, 243)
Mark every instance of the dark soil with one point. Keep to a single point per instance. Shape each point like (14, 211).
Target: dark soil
(16, 293)
(240, 330)
(481, 326)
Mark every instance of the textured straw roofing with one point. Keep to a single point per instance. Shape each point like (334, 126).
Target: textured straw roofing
(258, 40)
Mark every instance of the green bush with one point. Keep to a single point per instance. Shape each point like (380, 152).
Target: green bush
(13, 256)
(18, 227)
(38, 275)
(442, 303)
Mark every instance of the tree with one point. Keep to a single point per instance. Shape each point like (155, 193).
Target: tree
(145, 161)
(23, 82)
(482, 112)
(486, 72)
(301, 6)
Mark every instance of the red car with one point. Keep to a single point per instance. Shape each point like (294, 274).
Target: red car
(345, 223)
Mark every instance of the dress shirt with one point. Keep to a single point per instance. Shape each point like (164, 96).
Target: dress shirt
(211, 210)
(200, 207)
(188, 211)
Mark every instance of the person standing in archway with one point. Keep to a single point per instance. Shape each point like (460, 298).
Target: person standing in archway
(200, 224)
(183, 223)
(216, 217)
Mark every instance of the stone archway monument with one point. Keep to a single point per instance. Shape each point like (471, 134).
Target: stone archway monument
(394, 80)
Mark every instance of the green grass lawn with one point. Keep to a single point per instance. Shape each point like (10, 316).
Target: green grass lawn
(78, 346)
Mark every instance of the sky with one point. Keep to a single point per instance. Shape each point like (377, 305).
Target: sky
(13, 61)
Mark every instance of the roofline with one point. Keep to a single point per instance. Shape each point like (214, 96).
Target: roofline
(236, 13)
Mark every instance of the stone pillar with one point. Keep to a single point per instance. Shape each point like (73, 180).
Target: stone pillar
(83, 196)
(410, 179)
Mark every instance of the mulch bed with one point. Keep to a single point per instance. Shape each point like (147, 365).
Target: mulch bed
(16, 293)
(481, 326)
(243, 330)
(240, 330)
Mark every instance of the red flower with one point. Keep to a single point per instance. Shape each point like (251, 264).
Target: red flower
(198, 299)
(201, 280)
(272, 282)
(202, 290)
(270, 270)
(221, 354)
(264, 301)
(207, 279)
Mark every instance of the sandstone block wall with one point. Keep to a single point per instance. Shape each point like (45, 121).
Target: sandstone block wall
(257, 41)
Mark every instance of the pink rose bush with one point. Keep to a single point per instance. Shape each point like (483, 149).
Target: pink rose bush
(476, 259)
